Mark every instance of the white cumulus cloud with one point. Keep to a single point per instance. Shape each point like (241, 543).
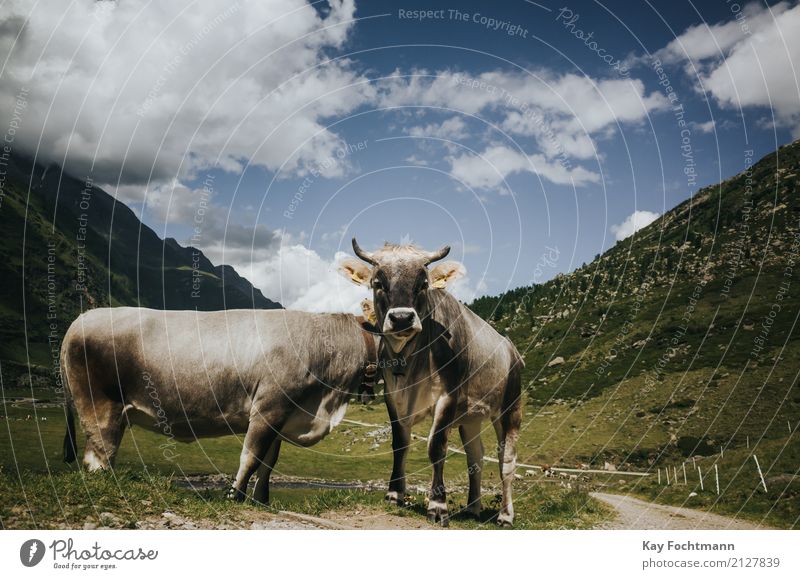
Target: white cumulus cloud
(707, 127)
(749, 60)
(497, 162)
(158, 90)
(453, 128)
(561, 111)
(299, 278)
(633, 223)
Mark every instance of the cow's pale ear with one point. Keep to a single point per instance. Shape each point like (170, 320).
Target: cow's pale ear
(355, 270)
(368, 308)
(446, 272)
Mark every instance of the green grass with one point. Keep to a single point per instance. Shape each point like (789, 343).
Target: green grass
(38, 490)
(69, 499)
(348, 454)
(538, 506)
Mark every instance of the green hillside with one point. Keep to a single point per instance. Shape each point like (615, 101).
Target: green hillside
(678, 340)
(68, 246)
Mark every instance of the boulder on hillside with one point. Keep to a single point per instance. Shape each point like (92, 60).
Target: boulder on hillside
(557, 361)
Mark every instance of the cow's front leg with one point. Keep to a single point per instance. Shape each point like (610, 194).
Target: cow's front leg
(437, 451)
(259, 438)
(401, 438)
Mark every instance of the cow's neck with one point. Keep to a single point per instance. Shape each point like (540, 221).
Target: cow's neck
(407, 376)
(394, 359)
(414, 355)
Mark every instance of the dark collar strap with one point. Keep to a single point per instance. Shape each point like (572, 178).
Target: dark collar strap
(370, 374)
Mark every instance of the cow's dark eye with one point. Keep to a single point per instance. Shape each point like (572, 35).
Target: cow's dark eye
(423, 284)
(377, 285)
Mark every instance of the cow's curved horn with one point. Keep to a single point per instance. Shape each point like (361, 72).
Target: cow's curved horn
(437, 255)
(363, 254)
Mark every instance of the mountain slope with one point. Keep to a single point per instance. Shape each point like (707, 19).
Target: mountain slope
(68, 246)
(679, 339)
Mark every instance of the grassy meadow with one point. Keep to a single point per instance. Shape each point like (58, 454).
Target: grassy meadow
(38, 490)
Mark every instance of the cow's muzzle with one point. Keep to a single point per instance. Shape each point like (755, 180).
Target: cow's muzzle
(402, 322)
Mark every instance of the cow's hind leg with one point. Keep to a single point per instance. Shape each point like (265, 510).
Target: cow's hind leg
(437, 451)
(104, 425)
(101, 417)
(258, 440)
(471, 438)
(507, 457)
(261, 492)
(507, 428)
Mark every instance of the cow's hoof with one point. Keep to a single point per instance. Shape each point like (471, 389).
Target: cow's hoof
(505, 520)
(395, 498)
(236, 495)
(261, 501)
(474, 511)
(437, 513)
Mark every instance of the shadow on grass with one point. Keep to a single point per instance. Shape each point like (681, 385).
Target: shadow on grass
(457, 514)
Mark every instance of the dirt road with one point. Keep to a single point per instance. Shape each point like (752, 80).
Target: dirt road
(637, 514)
(359, 518)
(632, 513)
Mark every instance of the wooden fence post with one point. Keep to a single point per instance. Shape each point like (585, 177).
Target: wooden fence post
(716, 476)
(700, 474)
(758, 466)
(684, 474)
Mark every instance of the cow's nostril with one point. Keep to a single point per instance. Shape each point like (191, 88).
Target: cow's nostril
(401, 320)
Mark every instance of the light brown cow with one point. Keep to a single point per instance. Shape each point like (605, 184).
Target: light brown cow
(272, 374)
(440, 359)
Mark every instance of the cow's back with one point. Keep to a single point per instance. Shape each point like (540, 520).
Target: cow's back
(164, 344)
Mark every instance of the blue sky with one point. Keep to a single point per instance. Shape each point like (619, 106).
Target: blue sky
(501, 130)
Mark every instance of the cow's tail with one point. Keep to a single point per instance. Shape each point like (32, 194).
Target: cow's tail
(70, 440)
(70, 444)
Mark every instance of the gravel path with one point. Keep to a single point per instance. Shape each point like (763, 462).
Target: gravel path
(637, 514)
